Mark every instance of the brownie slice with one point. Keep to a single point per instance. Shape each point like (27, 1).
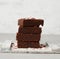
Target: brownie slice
(30, 22)
(28, 44)
(30, 30)
(28, 37)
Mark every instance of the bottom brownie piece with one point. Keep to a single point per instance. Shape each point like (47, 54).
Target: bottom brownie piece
(28, 45)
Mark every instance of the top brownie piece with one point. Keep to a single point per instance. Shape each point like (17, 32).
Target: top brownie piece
(30, 22)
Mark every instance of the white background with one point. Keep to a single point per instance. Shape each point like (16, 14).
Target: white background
(12, 10)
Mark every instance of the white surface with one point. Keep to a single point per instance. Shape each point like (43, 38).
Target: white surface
(55, 39)
(5, 46)
(11, 10)
(29, 56)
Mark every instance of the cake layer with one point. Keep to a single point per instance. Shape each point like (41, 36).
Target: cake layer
(28, 45)
(28, 37)
(30, 30)
(30, 22)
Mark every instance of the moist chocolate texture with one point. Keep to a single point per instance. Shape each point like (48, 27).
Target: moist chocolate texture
(29, 33)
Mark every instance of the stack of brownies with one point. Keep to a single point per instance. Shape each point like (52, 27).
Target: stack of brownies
(29, 33)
